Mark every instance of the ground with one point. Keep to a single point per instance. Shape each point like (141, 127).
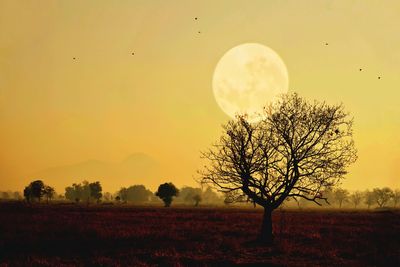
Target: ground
(118, 235)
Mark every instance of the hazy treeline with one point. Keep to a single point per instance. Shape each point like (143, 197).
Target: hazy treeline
(138, 194)
(92, 192)
(343, 198)
(10, 195)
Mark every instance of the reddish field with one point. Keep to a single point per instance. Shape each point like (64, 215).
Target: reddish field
(69, 235)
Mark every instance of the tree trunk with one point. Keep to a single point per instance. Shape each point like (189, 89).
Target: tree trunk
(266, 235)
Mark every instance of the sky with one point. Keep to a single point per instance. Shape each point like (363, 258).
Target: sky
(107, 104)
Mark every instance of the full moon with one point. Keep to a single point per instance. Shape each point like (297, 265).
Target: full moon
(247, 78)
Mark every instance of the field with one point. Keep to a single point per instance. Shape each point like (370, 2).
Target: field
(72, 235)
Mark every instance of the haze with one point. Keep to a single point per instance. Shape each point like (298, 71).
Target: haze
(143, 118)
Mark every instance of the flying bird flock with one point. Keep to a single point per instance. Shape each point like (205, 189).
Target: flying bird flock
(196, 19)
(360, 69)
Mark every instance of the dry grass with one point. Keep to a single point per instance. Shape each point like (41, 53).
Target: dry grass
(70, 235)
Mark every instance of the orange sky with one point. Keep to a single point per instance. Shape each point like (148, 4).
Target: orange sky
(107, 104)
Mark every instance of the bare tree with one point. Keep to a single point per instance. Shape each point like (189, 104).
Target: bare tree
(356, 198)
(341, 195)
(382, 195)
(297, 150)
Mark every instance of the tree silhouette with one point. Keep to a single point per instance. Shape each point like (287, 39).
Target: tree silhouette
(85, 191)
(28, 193)
(123, 194)
(341, 195)
(135, 193)
(190, 195)
(35, 190)
(48, 192)
(166, 192)
(95, 191)
(297, 150)
(382, 195)
(356, 198)
(74, 192)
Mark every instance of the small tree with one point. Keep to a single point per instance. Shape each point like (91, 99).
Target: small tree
(48, 192)
(341, 195)
(70, 193)
(123, 194)
(74, 192)
(95, 191)
(28, 194)
(382, 195)
(356, 198)
(297, 150)
(369, 198)
(188, 195)
(135, 193)
(35, 190)
(166, 192)
(86, 192)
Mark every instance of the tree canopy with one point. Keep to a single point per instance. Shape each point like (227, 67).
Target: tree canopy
(36, 190)
(297, 150)
(135, 194)
(166, 192)
(84, 191)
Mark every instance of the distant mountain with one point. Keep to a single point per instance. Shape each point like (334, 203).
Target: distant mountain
(138, 168)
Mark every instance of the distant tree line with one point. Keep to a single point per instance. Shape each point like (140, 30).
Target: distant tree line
(8, 195)
(92, 192)
(377, 197)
